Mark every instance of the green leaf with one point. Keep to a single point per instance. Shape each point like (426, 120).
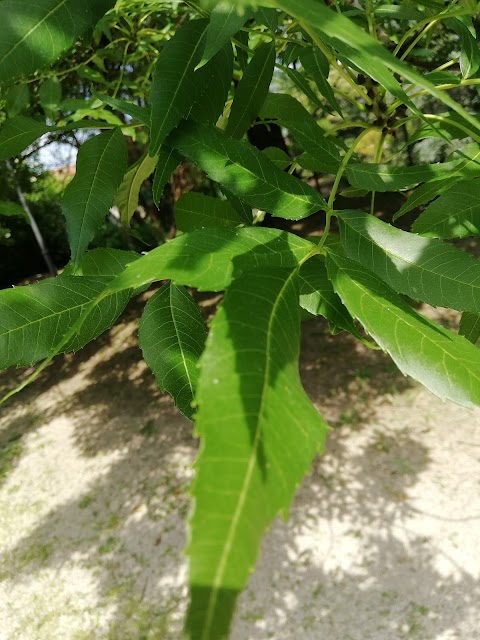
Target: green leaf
(279, 158)
(33, 318)
(251, 90)
(226, 19)
(17, 100)
(246, 172)
(209, 259)
(174, 91)
(424, 193)
(423, 268)
(197, 211)
(243, 209)
(455, 214)
(444, 362)
(212, 85)
(469, 48)
(35, 34)
(317, 67)
(168, 161)
(290, 114)
(18, 133)
(101, 164)
(259, 433)
(384, 177)
(50, 94)
(172, 337)
(267, 17)
(128, 192)
(366, 53)
(142, 114)
(470, 326)
(101, 262)
(242, 38)
(302, 84)
(12, 210)
(319, 299)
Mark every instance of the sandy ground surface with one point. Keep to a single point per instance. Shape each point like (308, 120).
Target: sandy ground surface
(382, 543)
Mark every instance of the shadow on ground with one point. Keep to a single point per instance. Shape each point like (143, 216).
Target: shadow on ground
(129, 526)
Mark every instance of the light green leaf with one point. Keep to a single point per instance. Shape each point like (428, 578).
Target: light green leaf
(259, 433)
(317, 67)
(198, 211)
(168, 161)
(101, 262)
(101, 164)
(226, 19)
(34, 318)
(142, 114)
(455, 214)
(246, 172)
(172, 337)
(423, 268)
(251, 90)
(424, 193)
(470, 326)
(366, 53)
(319, 299)
(50, 94)
(174, 91)
(444, 362)
(209, 259)
(17, 100)
(45, 28)
(128, 192)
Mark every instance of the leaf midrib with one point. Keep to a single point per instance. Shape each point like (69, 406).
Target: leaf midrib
(217, 580)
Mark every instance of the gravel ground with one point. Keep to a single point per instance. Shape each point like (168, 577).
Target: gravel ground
(382, 542)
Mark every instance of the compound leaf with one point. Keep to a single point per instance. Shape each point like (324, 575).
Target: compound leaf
(172, 337)
(259, 434)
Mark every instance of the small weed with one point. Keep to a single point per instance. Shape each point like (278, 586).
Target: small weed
(149, 429)
(85, 502)
(109, 545)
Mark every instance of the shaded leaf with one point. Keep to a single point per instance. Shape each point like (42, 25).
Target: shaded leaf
(50, 94)
(101, 164)
(455, 214)
(34, 318)
(245, 171)
(17, 100)
(142, 114)
(251, 91)
(101, 262)
(19, 133)
(172, 338)
(12, 210)
(225, 20)
(317, 67)
(278, 157)
(423, 268)
(197, 211)
(470, 326)
(444, 362)
(424, 193)
(128, 192)
(168, 161)
(212, 85)
(259, 434)
(46, 27)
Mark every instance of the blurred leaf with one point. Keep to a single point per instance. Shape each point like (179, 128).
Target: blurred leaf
(17, 100)
(50, 94)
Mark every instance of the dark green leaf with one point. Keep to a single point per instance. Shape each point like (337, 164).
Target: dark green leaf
(174, 91)
(424, 193)
(469, 49)
(101, 262)
(251, 90)
(267, 17)
(101, 164)
(278, 157)
(246, 172)
(12, 210)
(17, 100)
(172, 337)
(226, 19)
(197, 211)
(423, 268)
(168, 161)
(128, 192)
(470, 326)
(455, 214)
(211, 86)
(35, 317)
(317, 67)
(35, 34)
(302, 84)
(18, 133)
(259, 434)
(50, 94)
(444, 362)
